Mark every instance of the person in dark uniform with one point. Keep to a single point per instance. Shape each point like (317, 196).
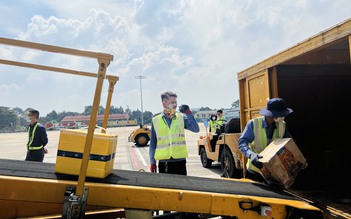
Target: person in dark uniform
(37, 138)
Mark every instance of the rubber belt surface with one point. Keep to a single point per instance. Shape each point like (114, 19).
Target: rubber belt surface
(144, 179)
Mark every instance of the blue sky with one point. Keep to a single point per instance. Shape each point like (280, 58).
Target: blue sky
(192, 47)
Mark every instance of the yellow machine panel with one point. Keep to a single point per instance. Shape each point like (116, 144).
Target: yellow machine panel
(258, 90)
(70, 153)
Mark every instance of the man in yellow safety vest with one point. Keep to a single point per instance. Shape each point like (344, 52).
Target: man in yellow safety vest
(260, 132)
(167, 143)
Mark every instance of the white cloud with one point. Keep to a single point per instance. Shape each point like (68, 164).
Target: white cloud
(192, 47)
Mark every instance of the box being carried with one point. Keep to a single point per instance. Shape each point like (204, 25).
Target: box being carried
(282, 161)
(70, 153)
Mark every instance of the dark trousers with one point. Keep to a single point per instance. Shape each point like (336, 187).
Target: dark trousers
(35, 155)
(177, 167)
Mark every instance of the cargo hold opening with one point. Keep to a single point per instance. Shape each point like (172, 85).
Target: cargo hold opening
(320, 124)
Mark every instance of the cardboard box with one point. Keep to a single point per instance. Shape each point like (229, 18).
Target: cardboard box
(282, 161)
(70, 153)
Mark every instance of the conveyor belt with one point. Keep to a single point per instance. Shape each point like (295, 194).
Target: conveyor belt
(145, 179)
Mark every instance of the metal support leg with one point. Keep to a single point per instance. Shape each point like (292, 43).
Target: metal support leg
(74, 206)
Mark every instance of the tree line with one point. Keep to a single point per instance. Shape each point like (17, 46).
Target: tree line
(12, 119)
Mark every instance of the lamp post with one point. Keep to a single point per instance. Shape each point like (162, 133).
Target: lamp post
(141, 97)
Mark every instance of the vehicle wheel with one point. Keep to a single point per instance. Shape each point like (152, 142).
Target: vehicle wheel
(227, 165)
(204, 160)
(141, 139)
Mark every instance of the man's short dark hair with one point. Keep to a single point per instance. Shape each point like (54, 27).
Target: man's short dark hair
(219, 111)
(35, 113)
(167, 95)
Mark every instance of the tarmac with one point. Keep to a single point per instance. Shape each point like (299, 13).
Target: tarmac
(128, 156)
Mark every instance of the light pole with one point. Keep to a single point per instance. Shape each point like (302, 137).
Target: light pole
(141, 97)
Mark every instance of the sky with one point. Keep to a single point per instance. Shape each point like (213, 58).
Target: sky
(194, 48)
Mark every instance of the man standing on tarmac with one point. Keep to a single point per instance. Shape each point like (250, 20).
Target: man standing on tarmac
(37, 138)
(167, 143)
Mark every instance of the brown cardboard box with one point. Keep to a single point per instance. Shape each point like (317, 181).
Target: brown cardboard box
(282, 161)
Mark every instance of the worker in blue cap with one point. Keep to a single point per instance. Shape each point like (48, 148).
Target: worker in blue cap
(260, 132)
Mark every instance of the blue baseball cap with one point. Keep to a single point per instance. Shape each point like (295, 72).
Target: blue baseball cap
(276, 107)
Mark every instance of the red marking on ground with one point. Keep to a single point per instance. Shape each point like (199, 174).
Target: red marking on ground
(135, 161)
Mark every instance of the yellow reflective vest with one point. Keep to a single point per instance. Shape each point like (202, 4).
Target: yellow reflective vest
(261, 141)
(221, 120)
(170, 139)
(213, 126)
(30, 147)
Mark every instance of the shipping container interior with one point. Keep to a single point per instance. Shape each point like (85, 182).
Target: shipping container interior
(320, 124)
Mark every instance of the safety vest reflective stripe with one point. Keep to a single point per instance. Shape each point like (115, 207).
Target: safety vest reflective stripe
(261, 140)
(31, 138)
(170, 140)
(35, 148)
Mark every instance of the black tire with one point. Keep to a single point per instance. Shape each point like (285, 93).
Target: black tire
(204, 160)
(228, 165)
(233, 126)
(142, 139)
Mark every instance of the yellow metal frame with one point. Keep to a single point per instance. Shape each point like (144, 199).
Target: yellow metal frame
(320, 40)
(17, 192)
(103, 61)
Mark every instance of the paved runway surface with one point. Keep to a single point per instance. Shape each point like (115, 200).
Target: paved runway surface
(128, 156)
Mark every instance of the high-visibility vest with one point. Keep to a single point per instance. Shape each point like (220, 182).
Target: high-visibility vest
(31, 147)
(170, 139)
(261, 141)
(221, 120)
(213, 125)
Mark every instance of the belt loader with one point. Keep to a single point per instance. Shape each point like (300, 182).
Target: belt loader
(31, 189)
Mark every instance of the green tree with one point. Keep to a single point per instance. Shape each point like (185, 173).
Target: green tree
(8, 118)
(18, 110)
(88, 109)
(101, 110)
(135, 115)
(147, 117)
(115, 110)
(128, 111)
(52, 117)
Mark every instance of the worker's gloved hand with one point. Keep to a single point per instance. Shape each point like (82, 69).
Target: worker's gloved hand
(153, 168)
(184, 109)
(255, 160)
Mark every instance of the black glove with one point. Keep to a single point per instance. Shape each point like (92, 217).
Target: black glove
(255, 160)
(184, 109)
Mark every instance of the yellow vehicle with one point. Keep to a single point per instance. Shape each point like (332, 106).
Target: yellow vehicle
(222, 148)
(140, 136)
